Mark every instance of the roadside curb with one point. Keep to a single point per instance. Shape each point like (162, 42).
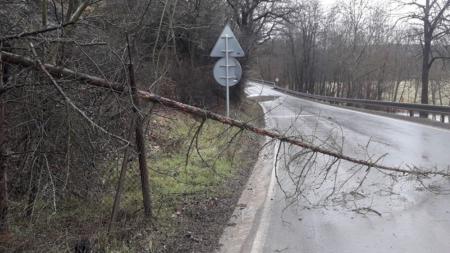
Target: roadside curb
(243, 226)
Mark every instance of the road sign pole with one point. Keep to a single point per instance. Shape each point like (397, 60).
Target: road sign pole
(227, 48)
(227, 75)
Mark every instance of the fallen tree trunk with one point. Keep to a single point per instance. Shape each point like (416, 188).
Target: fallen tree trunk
(59, 71)
(148, 96)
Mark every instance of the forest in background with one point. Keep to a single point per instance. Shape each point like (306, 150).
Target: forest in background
(363, 49)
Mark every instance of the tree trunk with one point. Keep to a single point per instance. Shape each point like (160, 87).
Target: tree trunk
(381, 82)
(35, 179)
(427, 38)
(121, 182)
(140, 145)
(4, 229)
(312, 80)
(397, 85)
(416, 91)
(433, 92)
(44, 9)
(294, 61)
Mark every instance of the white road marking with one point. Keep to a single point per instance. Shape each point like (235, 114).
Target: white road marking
(261, 234)
(292, 116)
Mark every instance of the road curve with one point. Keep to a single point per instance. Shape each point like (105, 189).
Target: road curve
(384, 214)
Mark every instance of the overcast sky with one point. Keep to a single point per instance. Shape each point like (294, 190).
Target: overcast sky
(394, 9)
(327, 3)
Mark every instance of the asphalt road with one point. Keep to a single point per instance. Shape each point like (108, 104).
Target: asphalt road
(310, 210)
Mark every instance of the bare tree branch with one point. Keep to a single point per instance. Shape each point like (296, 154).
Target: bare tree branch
(69, 101)
(33, 33)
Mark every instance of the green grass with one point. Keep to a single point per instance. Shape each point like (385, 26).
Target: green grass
(174, 172)
(176, 178)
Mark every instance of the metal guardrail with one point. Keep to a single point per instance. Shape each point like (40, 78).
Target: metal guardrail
(263, 81)
(411, 108)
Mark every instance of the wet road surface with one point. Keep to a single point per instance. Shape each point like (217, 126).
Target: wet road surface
(313, 211)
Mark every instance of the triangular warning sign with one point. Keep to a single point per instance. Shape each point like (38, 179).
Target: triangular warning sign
(234, 48)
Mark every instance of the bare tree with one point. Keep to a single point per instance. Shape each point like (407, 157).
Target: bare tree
(257, 19)
(433, 18)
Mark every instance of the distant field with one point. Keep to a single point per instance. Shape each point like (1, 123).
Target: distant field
(407, 90)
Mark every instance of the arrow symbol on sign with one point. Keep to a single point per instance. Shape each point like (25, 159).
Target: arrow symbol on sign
(234, 48)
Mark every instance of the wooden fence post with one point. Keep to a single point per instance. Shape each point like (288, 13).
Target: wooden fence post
(140, 141)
